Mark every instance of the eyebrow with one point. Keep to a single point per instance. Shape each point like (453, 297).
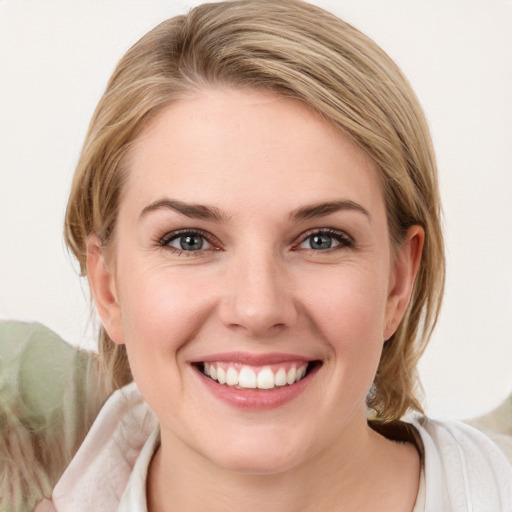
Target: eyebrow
(323, 209)
(199, 211)
(195, 211)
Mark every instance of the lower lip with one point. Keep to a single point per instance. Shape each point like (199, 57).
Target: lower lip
(256, 399)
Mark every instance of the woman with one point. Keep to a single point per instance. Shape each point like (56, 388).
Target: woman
(256, 209)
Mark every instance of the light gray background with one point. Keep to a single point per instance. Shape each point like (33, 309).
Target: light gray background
(55, 59)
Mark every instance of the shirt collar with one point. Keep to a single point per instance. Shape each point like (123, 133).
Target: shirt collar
(134, 496)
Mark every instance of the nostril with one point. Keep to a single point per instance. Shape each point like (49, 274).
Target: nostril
(259, 321)
(257, 294)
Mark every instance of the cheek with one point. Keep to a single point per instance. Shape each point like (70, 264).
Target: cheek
(161, 313)
(350, 313)
(161, 308)
(350, 299)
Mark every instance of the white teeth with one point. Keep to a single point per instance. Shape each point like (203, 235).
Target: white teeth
(221, 375)
(266, 379)
(291, 375)
(250, 379)
(280, 378)
(247, 378)
(231, 377)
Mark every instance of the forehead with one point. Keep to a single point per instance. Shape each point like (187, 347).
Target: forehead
(227, 144)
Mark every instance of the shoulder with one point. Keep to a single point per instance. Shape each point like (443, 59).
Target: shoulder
(45, 506)
(107, 457)
(497, 424)
(464, 469)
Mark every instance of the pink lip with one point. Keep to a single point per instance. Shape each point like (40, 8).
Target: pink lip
(253, 359)
(252, 399)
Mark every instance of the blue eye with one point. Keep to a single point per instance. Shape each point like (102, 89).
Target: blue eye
(325, 240)
(320, 242)
(187, 241)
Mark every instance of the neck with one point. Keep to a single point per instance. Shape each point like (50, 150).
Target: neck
(336, 478)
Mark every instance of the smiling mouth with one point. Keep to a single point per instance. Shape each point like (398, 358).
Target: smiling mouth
(266, 378)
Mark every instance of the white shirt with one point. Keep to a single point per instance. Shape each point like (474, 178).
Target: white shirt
(463, 471)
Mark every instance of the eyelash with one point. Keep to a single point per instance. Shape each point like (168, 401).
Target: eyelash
(164, 241)
(343, 240)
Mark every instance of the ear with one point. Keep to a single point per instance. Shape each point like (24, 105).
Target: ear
(404, 269)
(103, 288)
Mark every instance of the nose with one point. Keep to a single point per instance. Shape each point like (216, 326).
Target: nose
(259, 296)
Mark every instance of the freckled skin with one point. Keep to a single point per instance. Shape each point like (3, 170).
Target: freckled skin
(257, 286)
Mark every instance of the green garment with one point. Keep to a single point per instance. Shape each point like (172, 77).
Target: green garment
(50, 393)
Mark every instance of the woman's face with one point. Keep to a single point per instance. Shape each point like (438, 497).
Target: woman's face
(252, 245)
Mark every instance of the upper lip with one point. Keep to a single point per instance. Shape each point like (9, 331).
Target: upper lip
(252, 359)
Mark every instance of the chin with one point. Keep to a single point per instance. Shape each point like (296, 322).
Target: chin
(260, 453)
(258, 463)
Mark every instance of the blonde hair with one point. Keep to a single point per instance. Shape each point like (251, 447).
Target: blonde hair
(299, 51)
